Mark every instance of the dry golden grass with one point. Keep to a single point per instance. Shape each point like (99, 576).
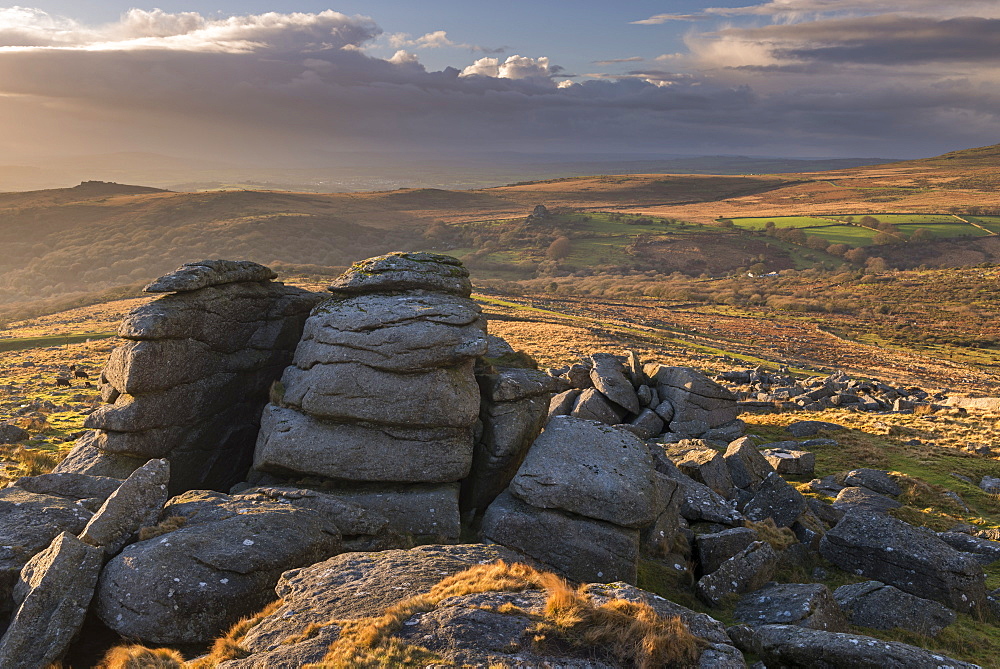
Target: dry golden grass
(168, 525)
(633, 634)
(140, 657)
(228, 647)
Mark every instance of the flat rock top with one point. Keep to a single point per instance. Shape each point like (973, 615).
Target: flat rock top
(192, 276)
(405, 271)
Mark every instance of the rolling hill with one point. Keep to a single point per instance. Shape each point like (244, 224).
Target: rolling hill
(97, 236)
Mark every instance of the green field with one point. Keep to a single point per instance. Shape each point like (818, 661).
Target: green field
(945, 230)
(760, 222)
(21, 343)
(852, 235)
(909, 219)
(991, 223)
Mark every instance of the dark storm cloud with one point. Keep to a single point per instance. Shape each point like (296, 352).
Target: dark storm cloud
(295, 82)
(883, 40)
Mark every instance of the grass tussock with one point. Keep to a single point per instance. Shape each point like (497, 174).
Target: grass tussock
(631, 633)
(780, 538)
(168, 525)
(34, 461)
(229, 647)
(140, 657)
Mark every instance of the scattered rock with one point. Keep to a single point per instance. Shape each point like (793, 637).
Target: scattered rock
(790, 462)
(883, 607)
(746, 571)
(792, 646)
(912, 559)
(856, 497)
(715, 548)
(808, 428)
(11, 434)
(873, 479)
(808, 605)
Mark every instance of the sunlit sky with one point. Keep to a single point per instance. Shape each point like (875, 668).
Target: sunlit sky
(256, 81)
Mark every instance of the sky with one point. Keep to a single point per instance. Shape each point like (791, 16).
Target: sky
(307, 82)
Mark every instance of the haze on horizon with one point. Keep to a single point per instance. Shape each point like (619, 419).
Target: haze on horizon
(307, 85)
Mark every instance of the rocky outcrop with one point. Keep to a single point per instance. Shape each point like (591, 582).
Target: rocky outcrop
(762, 388)
(912, 559)
(190, 381)
(650, 400)
(382, 389)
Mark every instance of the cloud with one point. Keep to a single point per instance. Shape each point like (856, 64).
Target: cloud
(436, 40)
(659, 19)
(267, 85)
(514, 67)
(614, 61)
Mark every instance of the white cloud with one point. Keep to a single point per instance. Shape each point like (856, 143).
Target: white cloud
(514, 67)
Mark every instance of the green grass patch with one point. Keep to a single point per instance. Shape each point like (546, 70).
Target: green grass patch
(21, 343)
(910, 219)
(945, 230)
(991, 223)
(760, 222)
(852, 235)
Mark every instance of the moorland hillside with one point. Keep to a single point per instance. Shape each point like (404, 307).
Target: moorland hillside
(97, 236)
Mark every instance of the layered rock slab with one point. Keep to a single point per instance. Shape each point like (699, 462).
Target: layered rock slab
(383, 390)
(191, 379)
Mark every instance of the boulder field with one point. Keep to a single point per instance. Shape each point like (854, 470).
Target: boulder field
(371, 477)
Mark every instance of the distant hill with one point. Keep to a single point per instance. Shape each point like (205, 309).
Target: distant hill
(98, 234)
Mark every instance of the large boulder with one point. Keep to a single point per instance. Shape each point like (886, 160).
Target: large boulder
(714, 548)
(220, 565)
(774, 498)
(53, 593)
(578, 547)
(747, 467)
(592, 470)
(515, 405)
(609, 378)
(912, 559)
(792, 646)
(194, 373)
(883, 607)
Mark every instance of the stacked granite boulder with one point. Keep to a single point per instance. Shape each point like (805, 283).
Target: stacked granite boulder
(191, 380)
(580, 500)
(380, 405)
(649, 400)
(515, 405)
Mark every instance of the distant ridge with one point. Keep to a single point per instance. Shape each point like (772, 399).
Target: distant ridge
(112, 188)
